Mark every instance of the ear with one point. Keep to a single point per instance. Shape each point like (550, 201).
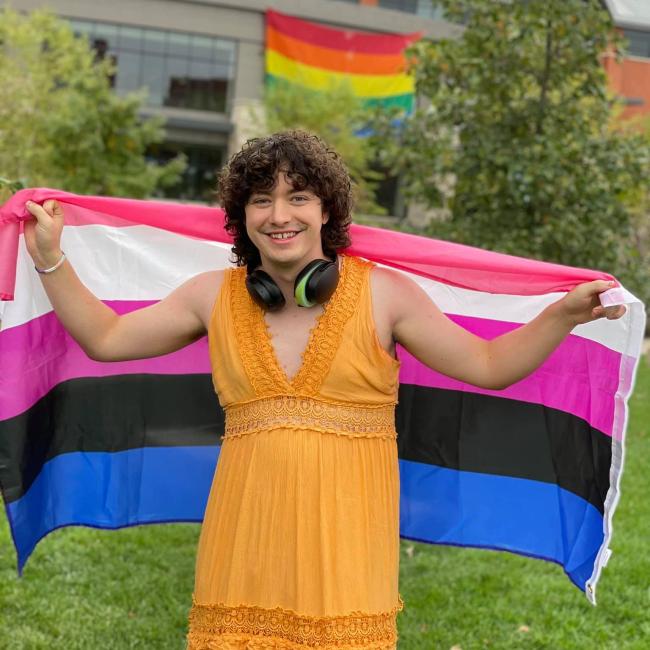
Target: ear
(326, 218)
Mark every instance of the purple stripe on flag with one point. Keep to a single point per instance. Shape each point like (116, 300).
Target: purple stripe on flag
(587, 391)
(40, 354)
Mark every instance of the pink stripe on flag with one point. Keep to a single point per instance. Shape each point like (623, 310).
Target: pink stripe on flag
(462, 266)
(9, 233)
(40, 354)
(465, 266)
(582, 392)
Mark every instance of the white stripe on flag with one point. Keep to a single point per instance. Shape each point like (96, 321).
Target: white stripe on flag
(146, 263)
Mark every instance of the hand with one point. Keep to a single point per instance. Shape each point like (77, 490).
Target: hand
(43, 234)
(582, 305)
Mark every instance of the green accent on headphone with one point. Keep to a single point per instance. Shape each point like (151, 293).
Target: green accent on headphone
(300, 292)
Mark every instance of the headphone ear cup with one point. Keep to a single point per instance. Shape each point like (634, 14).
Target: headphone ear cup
(264, 291)
(316, 283)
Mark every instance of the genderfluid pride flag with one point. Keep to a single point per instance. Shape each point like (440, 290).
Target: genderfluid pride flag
(533, 469)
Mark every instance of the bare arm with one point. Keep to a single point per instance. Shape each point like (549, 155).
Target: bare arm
(439, 343)
(164, 327)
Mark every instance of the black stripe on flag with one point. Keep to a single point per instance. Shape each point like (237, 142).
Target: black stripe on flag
(451, 429)
(495, 435)
(108, 414)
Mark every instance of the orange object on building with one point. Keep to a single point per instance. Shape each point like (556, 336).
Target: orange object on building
(630, 79)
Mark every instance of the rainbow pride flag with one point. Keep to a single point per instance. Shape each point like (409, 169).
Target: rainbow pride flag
(319, 58)
(532, 469)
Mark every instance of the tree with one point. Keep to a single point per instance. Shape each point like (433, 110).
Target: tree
(338, 116)
(516, 118)
(60, 123)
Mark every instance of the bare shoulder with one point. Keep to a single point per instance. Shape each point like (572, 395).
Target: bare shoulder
(390, 287)
(200, 292)
(390, 291)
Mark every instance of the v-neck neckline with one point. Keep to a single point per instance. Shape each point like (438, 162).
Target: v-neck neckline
(315, 333)
(256, 348)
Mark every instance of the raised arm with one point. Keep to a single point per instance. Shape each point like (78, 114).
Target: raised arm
(435, 340)
(164, 327)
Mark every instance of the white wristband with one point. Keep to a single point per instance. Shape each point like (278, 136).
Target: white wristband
(52, 268)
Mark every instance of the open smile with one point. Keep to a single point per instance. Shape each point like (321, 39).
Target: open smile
(283, 236)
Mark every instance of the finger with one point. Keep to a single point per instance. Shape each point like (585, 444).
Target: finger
(598, 312)
(38, 211)
(612, 313)
(600, 286)
(53, 208)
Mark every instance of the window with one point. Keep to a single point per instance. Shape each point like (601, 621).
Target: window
(638, 42)
(199, 181)
(178, 69)
(424, 8)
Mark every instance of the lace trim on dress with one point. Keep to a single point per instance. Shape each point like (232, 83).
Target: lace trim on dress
(247, 626)
(326, 337)
(258, 360)
(290, 412)
(254, 340)
(248, 642)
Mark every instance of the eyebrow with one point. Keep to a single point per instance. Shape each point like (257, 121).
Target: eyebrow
(306, 189)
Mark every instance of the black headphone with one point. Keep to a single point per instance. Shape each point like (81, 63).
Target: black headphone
(315, 284)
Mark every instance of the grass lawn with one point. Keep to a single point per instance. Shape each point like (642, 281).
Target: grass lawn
(85, 588)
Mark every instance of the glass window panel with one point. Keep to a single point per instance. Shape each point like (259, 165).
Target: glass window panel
(102, 47)
(223, 61)
(81, 26)
(224, 51)
(178, 44)
(128, 71)
(153, 41)
(408, 6)
(200, 89)
(130, 38)
(153, 77)
(638, 42)
(199, 179)
(202, 47)
(222, 71)
(176, 81)
(427, 9)
(178, 66)
(201, 69)
(106, 33)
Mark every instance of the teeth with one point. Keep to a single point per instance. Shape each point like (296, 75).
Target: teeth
(283, 235)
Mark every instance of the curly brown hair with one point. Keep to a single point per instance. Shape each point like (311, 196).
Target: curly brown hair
(310, 164)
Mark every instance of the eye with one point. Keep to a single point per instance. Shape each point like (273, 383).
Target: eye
(300, 198)
(259, 201)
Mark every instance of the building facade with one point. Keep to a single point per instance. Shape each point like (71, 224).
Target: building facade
(630, 78)
(202, 61)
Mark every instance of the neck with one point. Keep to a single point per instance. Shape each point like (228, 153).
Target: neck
(285, 274)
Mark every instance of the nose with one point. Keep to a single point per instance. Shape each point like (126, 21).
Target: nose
(280, 213)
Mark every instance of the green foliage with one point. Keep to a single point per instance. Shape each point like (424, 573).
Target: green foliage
(514, 136)
(61, 125)
(336, 115)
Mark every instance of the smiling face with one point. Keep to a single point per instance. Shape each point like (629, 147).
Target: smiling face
(284, 224)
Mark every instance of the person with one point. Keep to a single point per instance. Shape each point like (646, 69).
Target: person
(299, 546)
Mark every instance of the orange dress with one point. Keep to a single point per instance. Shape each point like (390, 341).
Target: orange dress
(300, 542)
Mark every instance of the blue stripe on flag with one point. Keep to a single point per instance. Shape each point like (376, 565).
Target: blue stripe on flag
(446, 506)
(113, 490)
(438, 505)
